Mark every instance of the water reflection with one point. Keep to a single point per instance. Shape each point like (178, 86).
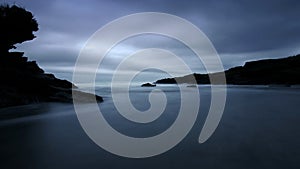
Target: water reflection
(259, 129)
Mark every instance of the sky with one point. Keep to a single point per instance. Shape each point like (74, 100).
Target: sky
(239, 30)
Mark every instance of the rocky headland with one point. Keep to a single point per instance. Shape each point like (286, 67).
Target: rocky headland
(24, 82)
(283, 71)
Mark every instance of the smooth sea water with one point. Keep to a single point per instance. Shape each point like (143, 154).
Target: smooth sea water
(260, 128)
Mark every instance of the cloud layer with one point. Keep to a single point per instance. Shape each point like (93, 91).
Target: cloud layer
(240, 30)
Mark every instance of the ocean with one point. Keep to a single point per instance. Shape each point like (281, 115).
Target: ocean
(259, 129)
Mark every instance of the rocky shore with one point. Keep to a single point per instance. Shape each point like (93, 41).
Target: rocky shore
(24, 82)
(283, 71)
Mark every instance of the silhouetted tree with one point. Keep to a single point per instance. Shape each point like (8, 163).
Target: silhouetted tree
(16, 26)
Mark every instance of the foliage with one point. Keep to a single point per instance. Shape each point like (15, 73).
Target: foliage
(17, 26)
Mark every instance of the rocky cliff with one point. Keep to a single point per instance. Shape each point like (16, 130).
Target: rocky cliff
(24, 82)
(284, 71)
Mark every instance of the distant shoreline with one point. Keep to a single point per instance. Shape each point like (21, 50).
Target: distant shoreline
(283, 71)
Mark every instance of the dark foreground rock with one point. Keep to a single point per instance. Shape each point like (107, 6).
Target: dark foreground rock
(24, 82)
(284, 71)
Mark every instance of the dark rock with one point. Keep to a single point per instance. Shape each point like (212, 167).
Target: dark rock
(148, 85)
(284, 71)
(24, 82)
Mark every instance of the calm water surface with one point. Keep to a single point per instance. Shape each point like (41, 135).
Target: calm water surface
(260, 128)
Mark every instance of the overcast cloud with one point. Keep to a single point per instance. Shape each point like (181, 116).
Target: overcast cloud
(240, 30)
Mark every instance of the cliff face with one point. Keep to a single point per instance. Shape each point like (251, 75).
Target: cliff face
(270, 71)
(285, 71)
(24, 82)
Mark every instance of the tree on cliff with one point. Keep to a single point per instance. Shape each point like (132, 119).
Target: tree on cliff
(16, 26)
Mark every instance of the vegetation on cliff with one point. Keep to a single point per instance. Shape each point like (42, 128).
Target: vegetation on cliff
(23, 81)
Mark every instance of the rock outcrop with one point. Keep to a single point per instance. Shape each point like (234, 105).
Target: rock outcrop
(148, 85)
(24, 82)
(284, 71)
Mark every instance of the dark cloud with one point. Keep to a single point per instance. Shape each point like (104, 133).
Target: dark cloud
(240, 30)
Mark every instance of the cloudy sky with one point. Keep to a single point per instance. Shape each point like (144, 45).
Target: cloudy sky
(239, 30)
